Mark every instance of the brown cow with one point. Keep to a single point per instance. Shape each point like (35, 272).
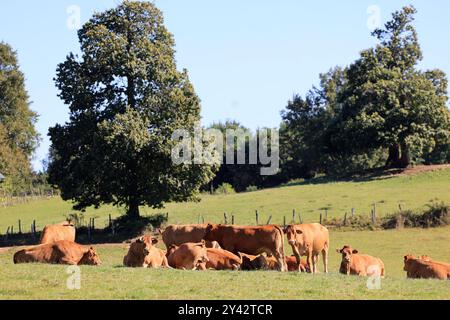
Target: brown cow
(143, 254)
(249, 240)
(421, 269)
(309, 240)
(190, 233)
(188, 256)
(291, 263)
(222, 260)
(58, 232)
(60, 252)
(359, 264)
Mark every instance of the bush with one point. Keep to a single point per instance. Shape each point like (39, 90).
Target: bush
(225, 188)
(251, 189)
(436, 215)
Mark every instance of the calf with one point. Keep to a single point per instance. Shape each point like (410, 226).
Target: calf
(60, 252)
(359, 264)
(422, 269)
(222, 260)
(188, 256)
(143, 253)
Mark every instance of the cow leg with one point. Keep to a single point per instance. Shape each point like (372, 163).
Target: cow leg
(280, 262)
(309, 260)
(325, 260)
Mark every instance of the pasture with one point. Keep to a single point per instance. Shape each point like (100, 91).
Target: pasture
(310, 198)
(112, 281)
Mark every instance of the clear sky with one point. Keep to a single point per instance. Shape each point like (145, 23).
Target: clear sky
(246, 58)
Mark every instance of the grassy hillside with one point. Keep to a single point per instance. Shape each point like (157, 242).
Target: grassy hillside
(112, 281)
(413, 192)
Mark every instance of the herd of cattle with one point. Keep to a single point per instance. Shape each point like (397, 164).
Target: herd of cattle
(225, 247)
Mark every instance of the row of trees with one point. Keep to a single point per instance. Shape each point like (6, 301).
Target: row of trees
(126, 97)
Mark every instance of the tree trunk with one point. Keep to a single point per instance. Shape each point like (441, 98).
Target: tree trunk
(405, 159)
(394, 156)
(133, 209)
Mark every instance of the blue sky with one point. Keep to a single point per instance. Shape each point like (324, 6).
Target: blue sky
(246, 59)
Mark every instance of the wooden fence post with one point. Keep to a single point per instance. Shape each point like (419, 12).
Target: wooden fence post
(257, 218)
(110, 220)
(167, 217)
(300, 219)
(353, 212)
(345, 219)
(232, 219)
(326, 213)
(20, 227)
(320, 218)
(293, 215)
(284, 221)
(225, 218)
(203, 219)
(270, 219)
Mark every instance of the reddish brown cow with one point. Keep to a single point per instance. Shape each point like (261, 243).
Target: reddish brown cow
(143, 253)
(190, 233)
(359, 264)
(58, 232)
(60, 252)
(188, 256)
(291, 263)
(250, 262)
(249, 240)
(309, 240)
(222, 260)
(421, 269)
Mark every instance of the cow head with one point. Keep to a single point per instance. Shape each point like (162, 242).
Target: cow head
(257, 263)
(347, 253)
(90, 257)
(143, 245)
(407, 260)
(294, 235)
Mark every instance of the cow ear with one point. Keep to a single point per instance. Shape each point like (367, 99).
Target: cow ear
(339, 250)
(355, 251)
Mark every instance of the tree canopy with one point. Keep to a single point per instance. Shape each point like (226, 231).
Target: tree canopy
(126, 98)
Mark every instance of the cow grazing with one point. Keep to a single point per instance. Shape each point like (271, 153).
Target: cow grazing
(222, 260)
(354, 263)
(250, 240)
(58, 232)
(143, 254)
(60, 252)
(250, 262)
(309, 240)
(423, 269)
(188, 256)
(190, 233)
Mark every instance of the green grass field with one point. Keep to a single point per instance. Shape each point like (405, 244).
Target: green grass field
(413, 192)
(112, 281)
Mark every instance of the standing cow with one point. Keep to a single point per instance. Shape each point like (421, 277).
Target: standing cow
(189, 233)
(359, 264)
(58, 232)
(309, 240)
(249, 240)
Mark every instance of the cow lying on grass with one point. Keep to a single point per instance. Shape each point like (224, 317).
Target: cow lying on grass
(188, 256)
(354, 263)
(143, 254)
(59, 252)
(222, 260)
(425, 268)
(58, 232)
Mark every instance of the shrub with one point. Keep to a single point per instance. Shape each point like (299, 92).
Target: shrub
(225, 188)
(251, 189)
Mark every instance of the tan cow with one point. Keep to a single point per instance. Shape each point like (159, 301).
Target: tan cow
(58, 232)
(291, 263)
(309, 240)
(354, 263)
(60, 252)
(190, 233)
(250, 240)
(427, 258)
(188, 256)
(421, 269)
(143, 253)
(222, 260)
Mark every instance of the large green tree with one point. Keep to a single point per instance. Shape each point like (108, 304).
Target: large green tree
(126, 98)
(18, 136)
(388, 102)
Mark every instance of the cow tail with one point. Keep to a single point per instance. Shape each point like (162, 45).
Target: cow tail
(282, 245)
